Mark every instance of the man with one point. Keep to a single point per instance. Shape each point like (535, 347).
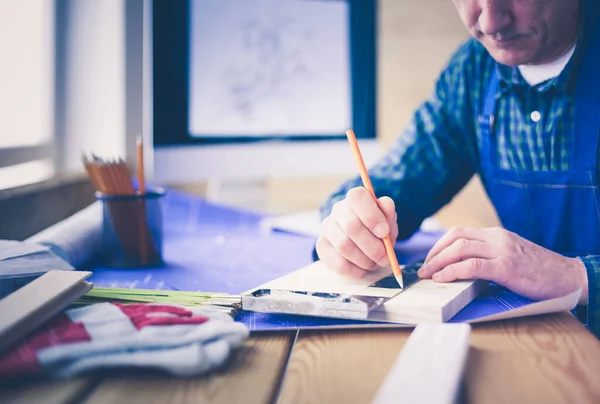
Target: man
(519, 104)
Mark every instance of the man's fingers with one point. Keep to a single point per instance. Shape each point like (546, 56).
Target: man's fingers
(344, 241)
(368, 245)
(356, 226)
(461, 250)
(367, 210)
(388, 207)
(335, 262)
(470, 233)
(473, 268)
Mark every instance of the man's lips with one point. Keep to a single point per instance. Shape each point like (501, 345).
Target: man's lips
(507, 42)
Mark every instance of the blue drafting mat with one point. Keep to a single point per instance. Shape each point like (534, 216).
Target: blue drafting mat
(215, 248)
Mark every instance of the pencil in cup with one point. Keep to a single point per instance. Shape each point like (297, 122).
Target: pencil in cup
(142, 191)
(364, 175)
(132, 231)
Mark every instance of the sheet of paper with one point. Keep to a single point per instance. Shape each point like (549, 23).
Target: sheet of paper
(498, 303)
(23, 259)
(308, 223)
(10, 249)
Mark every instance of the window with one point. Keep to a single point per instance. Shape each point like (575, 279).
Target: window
(26, 99)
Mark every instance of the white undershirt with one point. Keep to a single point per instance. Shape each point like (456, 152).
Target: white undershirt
(535, 74)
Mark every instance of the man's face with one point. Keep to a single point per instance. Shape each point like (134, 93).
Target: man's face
(519, 32)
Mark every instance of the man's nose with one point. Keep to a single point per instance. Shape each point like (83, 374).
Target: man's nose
(494, 17)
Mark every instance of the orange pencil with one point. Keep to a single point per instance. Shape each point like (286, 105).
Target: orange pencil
(142, 191)
(140, 165)
(387, 241)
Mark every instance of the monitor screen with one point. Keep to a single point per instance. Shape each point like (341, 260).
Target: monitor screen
(234, 71)
(260, 68)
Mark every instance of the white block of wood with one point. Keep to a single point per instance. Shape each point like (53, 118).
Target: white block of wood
(30, 306)
(428, 301)
(429, 368)
(425, 301)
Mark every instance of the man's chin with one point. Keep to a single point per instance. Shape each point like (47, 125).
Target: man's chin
(510, 57)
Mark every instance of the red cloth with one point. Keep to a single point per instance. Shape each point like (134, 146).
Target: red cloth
(62, 330)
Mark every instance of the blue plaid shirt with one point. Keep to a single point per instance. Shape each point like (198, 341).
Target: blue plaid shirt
(437, 153)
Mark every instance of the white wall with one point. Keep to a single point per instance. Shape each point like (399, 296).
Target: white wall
(90, 81)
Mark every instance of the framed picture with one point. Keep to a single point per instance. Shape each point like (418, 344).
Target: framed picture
(227, 71)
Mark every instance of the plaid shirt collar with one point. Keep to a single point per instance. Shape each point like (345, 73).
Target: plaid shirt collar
(510, 77)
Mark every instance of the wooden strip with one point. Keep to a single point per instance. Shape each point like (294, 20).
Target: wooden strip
(545, 359)
(340, 366)
(28, 307)
(47, 392)
(252, 376)
(434, 355)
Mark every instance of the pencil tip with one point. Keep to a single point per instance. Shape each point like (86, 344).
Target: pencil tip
(400, 281)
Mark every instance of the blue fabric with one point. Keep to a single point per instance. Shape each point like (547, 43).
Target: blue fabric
(556, 209)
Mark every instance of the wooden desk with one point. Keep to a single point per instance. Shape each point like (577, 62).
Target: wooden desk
(546, 359)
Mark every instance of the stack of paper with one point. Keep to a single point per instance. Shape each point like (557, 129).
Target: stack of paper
(20, 262)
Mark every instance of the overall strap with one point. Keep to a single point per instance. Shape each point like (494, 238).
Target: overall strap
(486, 120)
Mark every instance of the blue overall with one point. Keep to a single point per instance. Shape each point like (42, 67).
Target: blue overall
(558, 210)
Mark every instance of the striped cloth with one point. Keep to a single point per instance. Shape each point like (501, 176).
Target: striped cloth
(180, 340)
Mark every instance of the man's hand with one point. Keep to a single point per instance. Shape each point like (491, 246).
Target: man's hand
(351, 242)
(507, 259)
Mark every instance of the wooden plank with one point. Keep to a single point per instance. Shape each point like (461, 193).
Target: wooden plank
(544, 359)
(253, 376)
(340, 366)
(47, 392)
(425, 300)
